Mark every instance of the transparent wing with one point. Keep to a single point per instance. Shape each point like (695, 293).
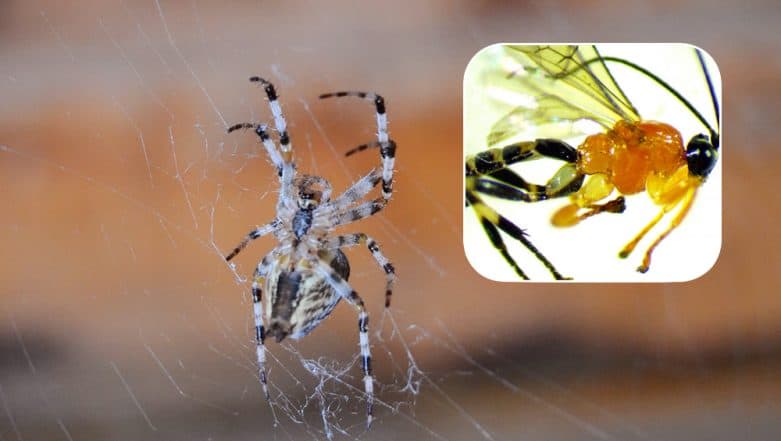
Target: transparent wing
(553, 117)
(562, 84)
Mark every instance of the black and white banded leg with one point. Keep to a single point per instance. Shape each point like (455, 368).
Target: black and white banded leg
(387, 150)
(355, 193)
(268, 144)
(387, 146)
(258, 279)
(343, 289)
(350, 240)
(286, 170)
(359, 212)
(252, 235)
(279, 119)
(282, 161)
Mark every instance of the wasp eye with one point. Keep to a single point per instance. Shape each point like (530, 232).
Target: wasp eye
(701, 156)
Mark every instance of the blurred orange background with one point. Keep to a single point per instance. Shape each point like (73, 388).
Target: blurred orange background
(121, 191)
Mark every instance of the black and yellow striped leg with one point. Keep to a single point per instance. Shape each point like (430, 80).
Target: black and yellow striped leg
(492, 160)
(492, 222)
(487, 173)
(490, 175)
(504, 191)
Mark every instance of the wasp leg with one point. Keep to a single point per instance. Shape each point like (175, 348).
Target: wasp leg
(687, 203)
(492, 160)
(492, 222)
(487, 173)
(508, 185)
(597, 187)
(677, 189)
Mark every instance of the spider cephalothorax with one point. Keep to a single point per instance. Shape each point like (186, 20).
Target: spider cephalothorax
(305, 275)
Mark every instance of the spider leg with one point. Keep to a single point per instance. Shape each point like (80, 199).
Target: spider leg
(387, 150)
(258, 279)
(279, 118)
(387, 146)
(339, 211)
(271, 148)
(282, 161)
(350, 240)
(358, 190)
(252, 235)
(285, 170)
(359, 212)
(343, 289)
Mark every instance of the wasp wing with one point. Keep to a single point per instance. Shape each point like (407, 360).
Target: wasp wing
(565, 84)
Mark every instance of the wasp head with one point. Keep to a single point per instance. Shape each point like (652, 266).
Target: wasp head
(701, 155)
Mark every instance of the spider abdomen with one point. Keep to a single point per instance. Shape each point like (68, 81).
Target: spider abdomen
(300, 298)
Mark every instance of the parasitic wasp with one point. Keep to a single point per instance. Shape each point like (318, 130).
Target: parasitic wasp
(590, 162)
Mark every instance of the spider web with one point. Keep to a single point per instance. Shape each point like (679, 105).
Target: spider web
(168, 199)
(121, 319)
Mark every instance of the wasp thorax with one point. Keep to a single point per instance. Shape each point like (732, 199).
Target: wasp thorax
(701, 155)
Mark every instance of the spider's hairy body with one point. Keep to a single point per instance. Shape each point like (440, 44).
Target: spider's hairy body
(305, 275)
(300, 298)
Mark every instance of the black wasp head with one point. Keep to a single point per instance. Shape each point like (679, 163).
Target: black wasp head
(701, 155)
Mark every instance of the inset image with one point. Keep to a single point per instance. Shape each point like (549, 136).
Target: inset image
(594, 163)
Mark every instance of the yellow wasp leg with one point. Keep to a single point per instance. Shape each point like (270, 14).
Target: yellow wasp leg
(687, 203)
(597, 187)
(669, 192)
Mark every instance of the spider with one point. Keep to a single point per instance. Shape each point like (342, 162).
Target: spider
(633, 156)
(305, 275)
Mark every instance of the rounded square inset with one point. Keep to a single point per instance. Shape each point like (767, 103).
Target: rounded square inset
(594, 163)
